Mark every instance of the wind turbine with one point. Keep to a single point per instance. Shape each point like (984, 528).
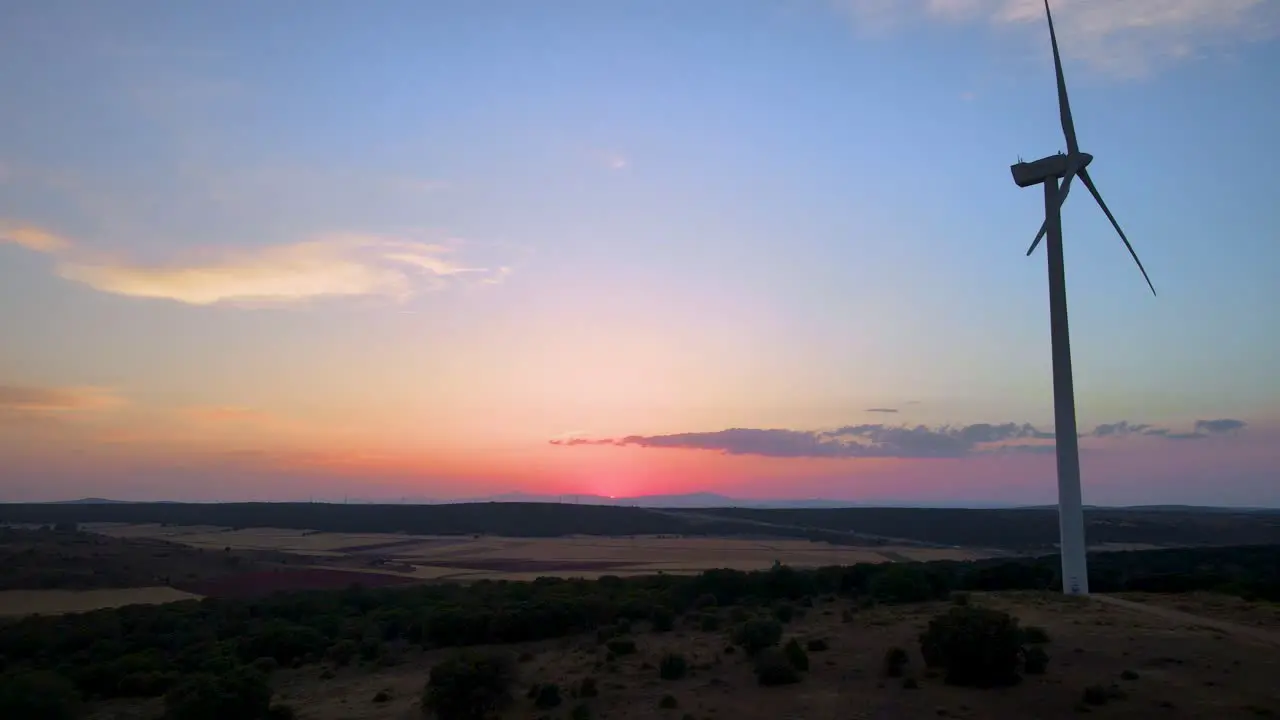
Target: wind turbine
(1046, 171)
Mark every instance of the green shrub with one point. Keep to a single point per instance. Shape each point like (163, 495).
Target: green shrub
(976, 647)
(672, 667)
(282, 712)
(756, 635)
(668, 702)
(817, 645)
(846, 616)
(663, 619)
(1035, 635)
(959, 598)
(1102, 694)
(895, 662)
(709, 622)
(38, 696)
(705, 600)
(467, 687)
(796, 655)
(910, 683)
(621, 646)
(342, 652)
(587, 688)
(547, 696)
(784, 612)
(580, 712)
(241, 693)
(772, 667)
(1127, 675)
(1035, 660)
(265, 665)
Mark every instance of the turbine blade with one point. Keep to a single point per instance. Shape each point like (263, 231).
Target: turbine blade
(1044, 228)
(1064, 105)
(1062, 197)
(1093, 190)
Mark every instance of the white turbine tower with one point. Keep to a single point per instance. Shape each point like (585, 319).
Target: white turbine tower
(1046, 171)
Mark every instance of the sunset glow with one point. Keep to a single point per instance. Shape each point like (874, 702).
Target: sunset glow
(767, 251)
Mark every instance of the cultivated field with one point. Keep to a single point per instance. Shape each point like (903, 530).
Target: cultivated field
(56, 602)
(484, 557)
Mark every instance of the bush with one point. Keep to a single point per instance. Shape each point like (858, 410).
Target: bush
(709, 622)
(705, 600)
(621, 646)
(241, 693)
(1101, 694)
(817, 645)
(38, 696)
(282, 712)
(469, 688)
(773, 668)
(1035, 635)
(266, 665)
(587, 688)
(784, 612)
(580, 712)
(343, 652)
(910, 683)
(1127, 675)
(977, 647)
(672, 667)
(796, 655)
(895, 662)
(1035, 660)
(663, 619)
(756, 635)
(959, 598)
(846, 616)
(668, 702)
(546, 695)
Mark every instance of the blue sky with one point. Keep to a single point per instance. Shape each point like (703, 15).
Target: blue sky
(439, 233)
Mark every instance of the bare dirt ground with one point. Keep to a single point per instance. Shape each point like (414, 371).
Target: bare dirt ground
(1163, 666)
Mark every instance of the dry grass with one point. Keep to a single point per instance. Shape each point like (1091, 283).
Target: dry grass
(1182, 672)
(447, 557)
(57, 602)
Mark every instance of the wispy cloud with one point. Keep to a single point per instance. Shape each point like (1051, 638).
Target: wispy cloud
(1124, 37)
(40, 399)
(886, 441)
(339, 265)
(32, 238)
(882, 410)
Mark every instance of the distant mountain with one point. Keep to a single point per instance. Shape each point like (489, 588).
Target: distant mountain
(88, 501)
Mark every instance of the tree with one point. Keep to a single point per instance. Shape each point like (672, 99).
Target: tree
(466, 687)
(976, 646)
(242, 693)
(38, 696)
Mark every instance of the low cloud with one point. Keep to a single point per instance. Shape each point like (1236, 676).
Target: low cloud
(887, 441)
(32, 238)
(1122, 37)
(882, 410)
(340, 265)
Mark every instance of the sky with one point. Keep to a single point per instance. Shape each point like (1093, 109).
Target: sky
(768, 249)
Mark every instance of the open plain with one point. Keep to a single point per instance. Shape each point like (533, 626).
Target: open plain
(1151, 667)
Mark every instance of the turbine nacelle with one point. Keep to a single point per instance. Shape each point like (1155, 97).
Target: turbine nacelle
(1026, 174)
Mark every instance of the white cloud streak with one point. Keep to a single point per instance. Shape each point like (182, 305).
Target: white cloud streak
(340, 265)
(1119, 37)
